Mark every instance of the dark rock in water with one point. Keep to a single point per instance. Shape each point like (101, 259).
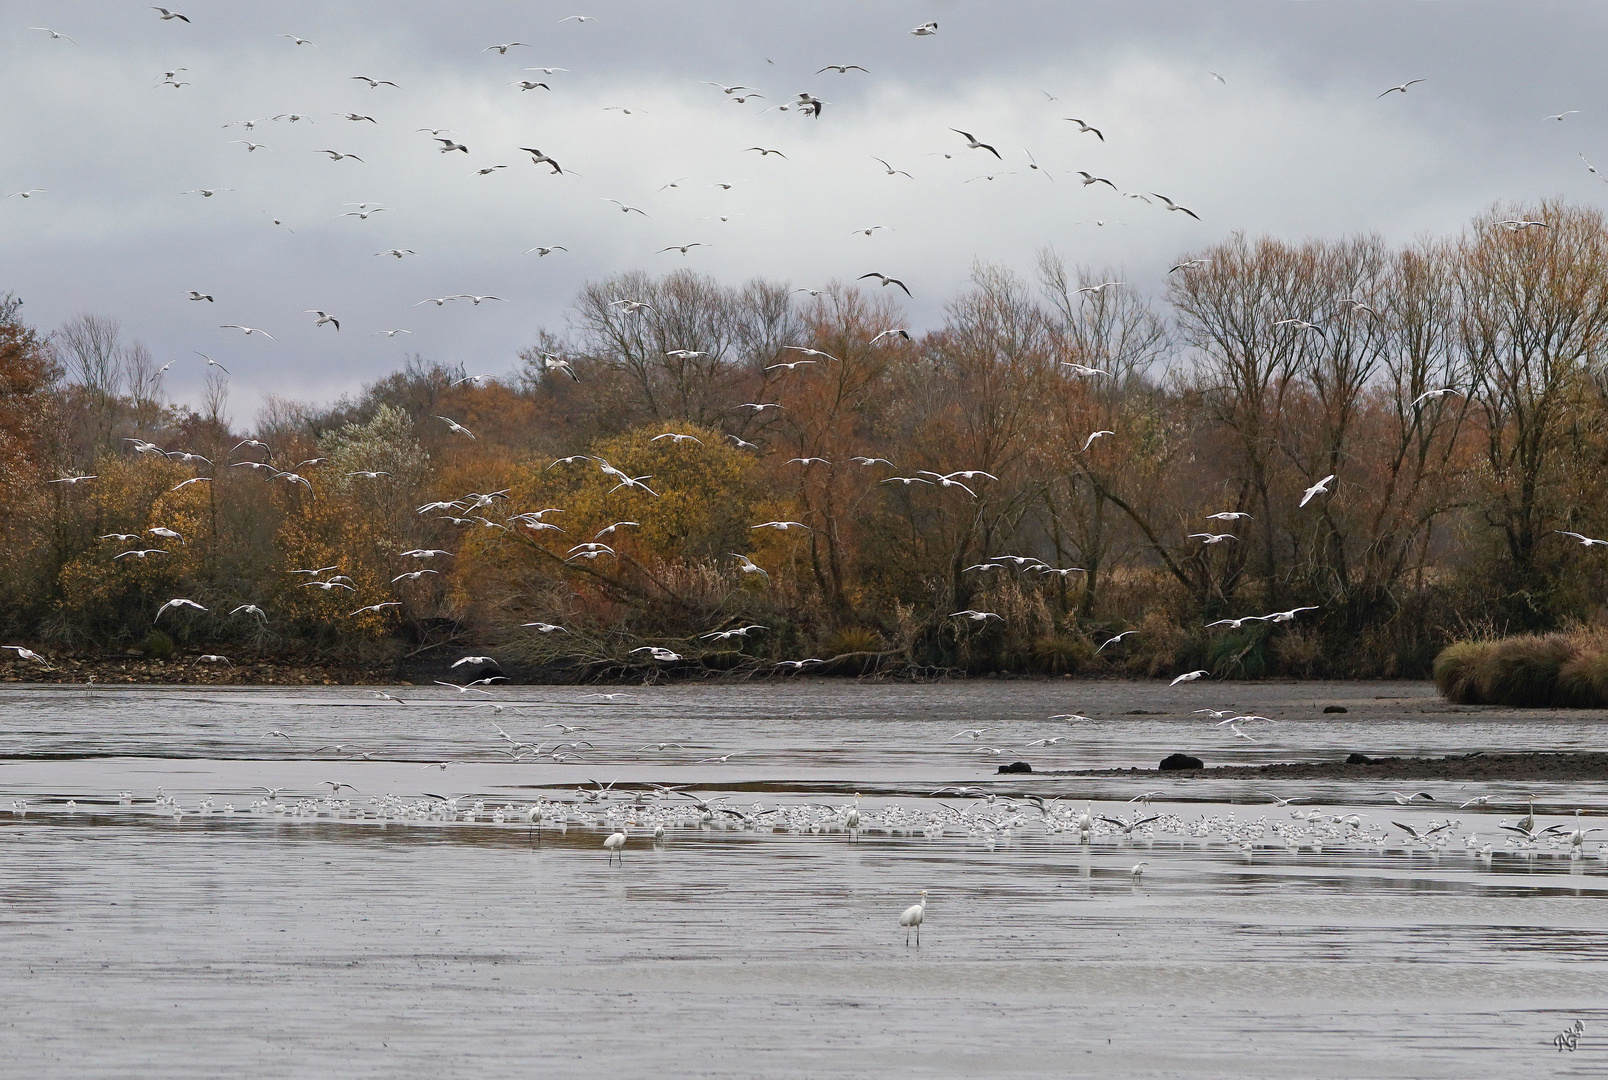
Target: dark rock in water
(1181, 761)
(1016, 766)
(1359, 759)
(1334, 708)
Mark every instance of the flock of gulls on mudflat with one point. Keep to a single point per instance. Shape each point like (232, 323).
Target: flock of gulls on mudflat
(656, 814)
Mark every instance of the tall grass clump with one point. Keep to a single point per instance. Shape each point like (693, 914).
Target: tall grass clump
(1524, 670)
(1567, 669)
(1583, 682)
(1454, 671)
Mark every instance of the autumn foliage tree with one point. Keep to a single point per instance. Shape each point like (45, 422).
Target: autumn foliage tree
(1054, 452)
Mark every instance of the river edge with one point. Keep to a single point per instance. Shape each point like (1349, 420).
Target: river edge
(1557, 767)
(129, 669)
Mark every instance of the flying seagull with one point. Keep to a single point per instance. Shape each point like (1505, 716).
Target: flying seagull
(177, 603)
(539, 158)
(1174, 206)
(1440, 393)
(973, 144)
(1320, 488)
(1402, 89)
(1585, 541)
(886, 281)
(1084, 128)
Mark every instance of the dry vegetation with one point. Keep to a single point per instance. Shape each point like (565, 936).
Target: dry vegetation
(1443, 514)
(1567, 670)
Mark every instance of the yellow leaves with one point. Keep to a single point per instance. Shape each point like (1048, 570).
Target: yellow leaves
(662, 503)
(693, 499)
(326, 533)
(129, 496)
(779, 551)
(92, 584)
(127, 489)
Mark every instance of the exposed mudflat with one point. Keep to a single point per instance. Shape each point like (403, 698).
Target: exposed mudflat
(197, 881)
(1561, 768)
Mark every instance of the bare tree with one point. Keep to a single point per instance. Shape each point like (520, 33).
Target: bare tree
(215, 399)
(91, 348)
(1249, 315)
(979, 395)
(1109, 329)
(1534, 326)
(688, 345)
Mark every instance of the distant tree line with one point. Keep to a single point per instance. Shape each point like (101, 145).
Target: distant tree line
(1043, 456)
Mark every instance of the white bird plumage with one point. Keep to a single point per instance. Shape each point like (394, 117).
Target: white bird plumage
(1320, 488)
(914, 915)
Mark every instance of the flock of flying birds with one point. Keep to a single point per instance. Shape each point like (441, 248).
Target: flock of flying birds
(990, 818)
(804, 104)
(470, 510)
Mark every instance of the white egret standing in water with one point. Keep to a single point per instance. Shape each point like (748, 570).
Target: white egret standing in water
(912, 917)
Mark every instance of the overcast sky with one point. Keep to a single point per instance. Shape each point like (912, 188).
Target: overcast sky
(1293, 141)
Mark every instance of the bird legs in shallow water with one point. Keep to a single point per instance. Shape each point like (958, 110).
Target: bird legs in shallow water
(912, 919)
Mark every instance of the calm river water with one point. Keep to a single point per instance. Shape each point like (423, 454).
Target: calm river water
(301, 883)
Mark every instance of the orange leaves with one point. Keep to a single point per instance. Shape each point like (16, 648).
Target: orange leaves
(26, 375)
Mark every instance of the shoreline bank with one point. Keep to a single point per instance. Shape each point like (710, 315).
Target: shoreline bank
(1558, 767)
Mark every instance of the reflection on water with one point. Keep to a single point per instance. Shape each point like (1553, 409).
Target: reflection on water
(185, 893)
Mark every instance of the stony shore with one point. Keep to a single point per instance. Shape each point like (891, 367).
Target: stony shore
(119, 670)
(1560, 768)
